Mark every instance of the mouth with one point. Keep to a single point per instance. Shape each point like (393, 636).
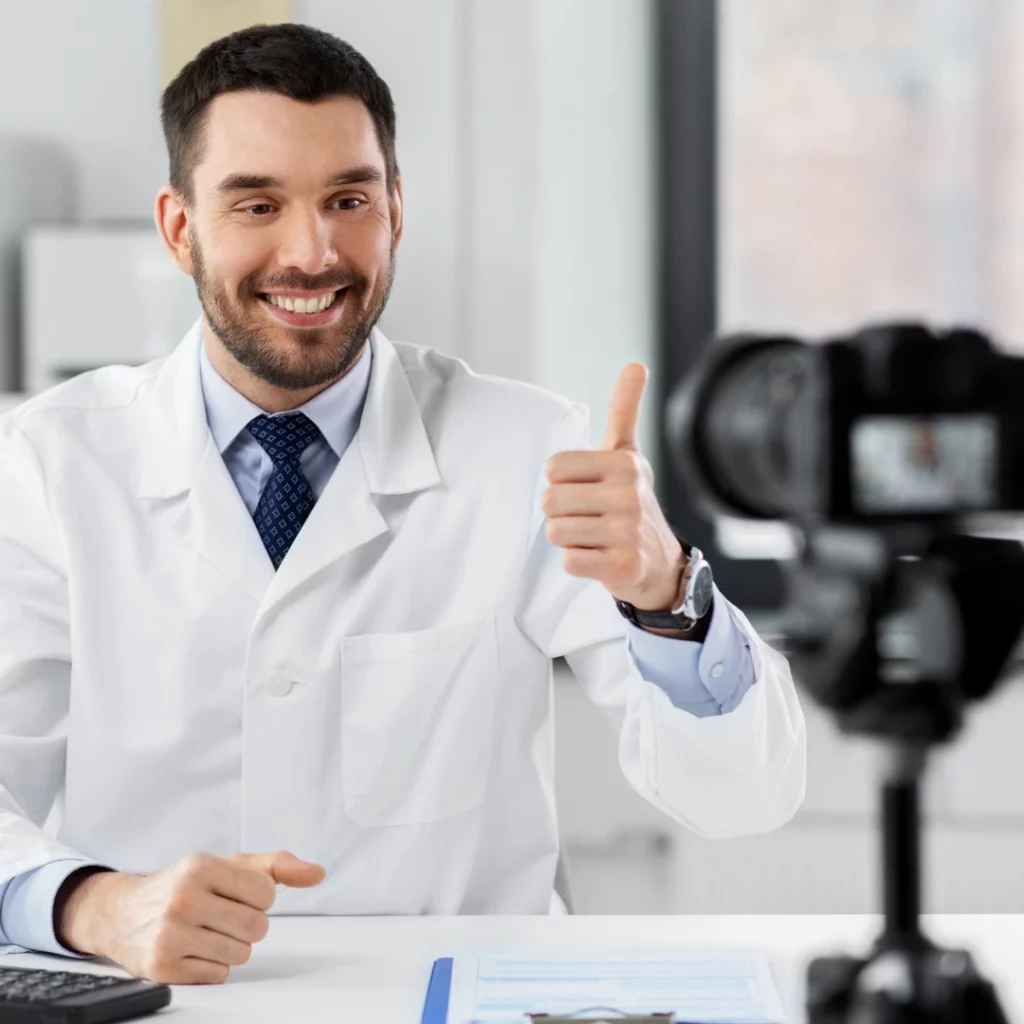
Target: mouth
(305, 309)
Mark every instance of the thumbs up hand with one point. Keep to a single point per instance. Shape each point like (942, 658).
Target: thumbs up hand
(602, 510)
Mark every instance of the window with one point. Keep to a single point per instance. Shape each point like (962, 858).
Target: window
(871, 164)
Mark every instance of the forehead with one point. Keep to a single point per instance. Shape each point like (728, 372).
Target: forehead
(269, 134)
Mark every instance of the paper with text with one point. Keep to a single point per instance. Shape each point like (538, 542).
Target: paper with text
(711, 989)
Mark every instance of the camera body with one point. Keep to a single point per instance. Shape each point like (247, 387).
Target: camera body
(893, 423)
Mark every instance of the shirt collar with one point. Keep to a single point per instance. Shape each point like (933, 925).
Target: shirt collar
(335, 410)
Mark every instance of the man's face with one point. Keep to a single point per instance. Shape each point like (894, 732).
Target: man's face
(291, 207)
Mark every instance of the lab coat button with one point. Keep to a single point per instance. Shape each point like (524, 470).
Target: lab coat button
(716, 670)
(279, 686)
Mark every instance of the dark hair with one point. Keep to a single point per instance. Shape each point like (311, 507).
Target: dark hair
(297, 61)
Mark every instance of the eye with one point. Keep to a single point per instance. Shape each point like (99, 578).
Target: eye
(350, 202)
(258, 209)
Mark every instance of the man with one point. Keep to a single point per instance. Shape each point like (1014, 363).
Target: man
(296, 587)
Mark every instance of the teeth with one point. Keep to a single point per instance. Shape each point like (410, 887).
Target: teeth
(314, 305)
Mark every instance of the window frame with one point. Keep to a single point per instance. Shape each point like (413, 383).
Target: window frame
(686, 105)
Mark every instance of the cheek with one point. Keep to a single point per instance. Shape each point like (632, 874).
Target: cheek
(366, 246)
(241, 258)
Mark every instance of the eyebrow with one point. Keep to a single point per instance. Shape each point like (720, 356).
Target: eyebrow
(366, 175)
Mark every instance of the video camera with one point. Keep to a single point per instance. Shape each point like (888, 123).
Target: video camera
(893, 423)
(886, 449)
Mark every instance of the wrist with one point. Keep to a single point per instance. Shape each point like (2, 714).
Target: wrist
(668, 593)
(78, 911)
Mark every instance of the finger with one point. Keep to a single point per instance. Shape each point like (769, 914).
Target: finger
(587, 499)
(215, 947)
(624, 408)
(578, 532)
(593, 467)
(591, 563)
(227, 916)
(196, 971)
(285, 868)
(235, 879)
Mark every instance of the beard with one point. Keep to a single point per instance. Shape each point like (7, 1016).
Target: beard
(324, 354)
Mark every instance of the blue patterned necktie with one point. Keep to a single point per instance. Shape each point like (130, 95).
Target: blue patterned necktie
(287, 499)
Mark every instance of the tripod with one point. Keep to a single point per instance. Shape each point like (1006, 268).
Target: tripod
(906, 979)
(964, 598)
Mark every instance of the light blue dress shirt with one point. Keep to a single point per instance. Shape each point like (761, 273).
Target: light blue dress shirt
(704, 679)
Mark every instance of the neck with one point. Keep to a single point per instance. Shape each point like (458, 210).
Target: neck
(267, 396)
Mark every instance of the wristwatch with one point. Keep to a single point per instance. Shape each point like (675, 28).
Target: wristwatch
(696, 602)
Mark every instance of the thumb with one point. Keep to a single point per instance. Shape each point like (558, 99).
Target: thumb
(624, 408)
(283, 867)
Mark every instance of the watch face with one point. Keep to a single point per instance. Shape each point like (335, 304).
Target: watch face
(703, 591)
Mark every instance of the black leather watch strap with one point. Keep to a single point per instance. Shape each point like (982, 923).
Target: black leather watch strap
(653, 620)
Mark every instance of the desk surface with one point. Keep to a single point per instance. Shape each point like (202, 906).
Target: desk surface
(375, 970)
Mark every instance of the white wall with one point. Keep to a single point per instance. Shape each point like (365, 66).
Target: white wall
(561, 176)
(522, 138)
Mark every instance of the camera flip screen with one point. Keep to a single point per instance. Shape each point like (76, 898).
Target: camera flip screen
(927, 464)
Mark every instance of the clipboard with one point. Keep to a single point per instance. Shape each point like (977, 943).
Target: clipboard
(435, 1005)
(750, 996)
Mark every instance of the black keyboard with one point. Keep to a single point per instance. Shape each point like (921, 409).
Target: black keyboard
(63, 997)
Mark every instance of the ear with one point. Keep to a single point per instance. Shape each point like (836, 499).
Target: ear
(171, 215)
(395, 206)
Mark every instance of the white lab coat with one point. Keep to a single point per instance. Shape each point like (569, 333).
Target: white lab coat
(382, 704)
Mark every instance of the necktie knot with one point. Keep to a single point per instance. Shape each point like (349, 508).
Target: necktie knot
(284, 438)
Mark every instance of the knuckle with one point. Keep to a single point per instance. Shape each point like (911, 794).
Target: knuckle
(196, 864)
(624, 563)
(160, 967)
(180, 905)
(163, 938)
(547, 501)
(553, 530)
(266, 892)
(259, 926)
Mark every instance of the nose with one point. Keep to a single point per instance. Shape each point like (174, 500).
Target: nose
(306, 243)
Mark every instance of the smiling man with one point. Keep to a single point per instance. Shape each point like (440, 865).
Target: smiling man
(298, 588)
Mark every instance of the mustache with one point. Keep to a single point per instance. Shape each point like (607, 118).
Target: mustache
(329, 281)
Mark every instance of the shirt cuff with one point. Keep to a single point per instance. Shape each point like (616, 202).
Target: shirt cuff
(26, 908)
(709, 678)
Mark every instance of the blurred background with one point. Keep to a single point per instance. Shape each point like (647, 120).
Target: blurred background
(589, 182)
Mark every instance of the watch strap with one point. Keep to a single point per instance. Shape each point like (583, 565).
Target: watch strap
(654, 620)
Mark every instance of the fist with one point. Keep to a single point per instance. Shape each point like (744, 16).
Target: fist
(186, 924)
(603, 513)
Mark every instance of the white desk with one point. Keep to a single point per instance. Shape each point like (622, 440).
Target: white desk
(375, 970)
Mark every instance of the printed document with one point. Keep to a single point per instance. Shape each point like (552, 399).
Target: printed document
(711, 989)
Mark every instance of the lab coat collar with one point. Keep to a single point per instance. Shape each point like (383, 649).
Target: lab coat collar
(335, 410)
(391, 438)
(391, 454)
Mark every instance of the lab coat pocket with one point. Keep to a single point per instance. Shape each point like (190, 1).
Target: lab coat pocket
(417, 711)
